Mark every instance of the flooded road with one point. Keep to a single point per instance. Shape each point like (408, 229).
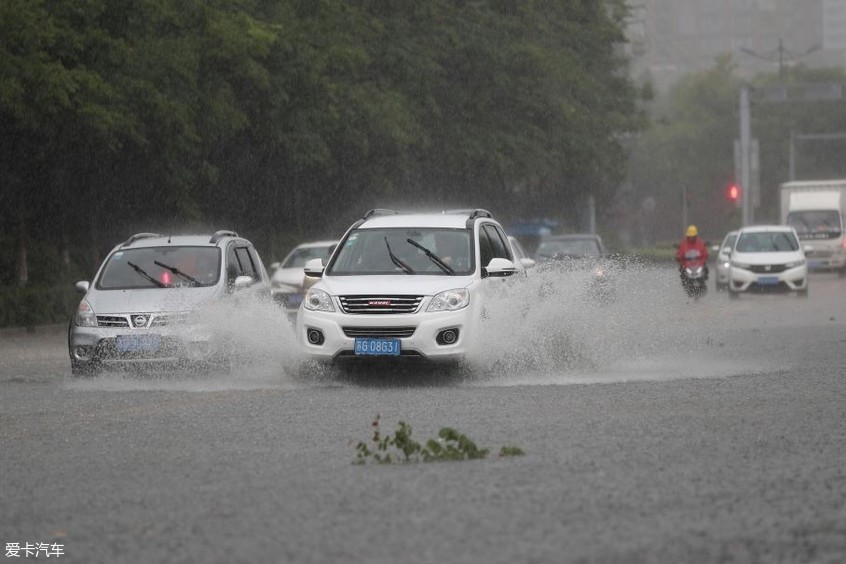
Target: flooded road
(654, 429)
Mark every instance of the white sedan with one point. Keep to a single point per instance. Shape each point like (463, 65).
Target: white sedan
(767, 258)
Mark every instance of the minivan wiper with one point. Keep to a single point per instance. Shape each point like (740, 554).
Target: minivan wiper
(178, 272)
(143, 273)
(433, 257)
(396, 260)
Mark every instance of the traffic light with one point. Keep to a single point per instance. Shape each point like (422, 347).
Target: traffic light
(733, 194)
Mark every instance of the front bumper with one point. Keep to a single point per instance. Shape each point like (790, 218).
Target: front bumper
(793, 279)
(99, 345)
(337, 328)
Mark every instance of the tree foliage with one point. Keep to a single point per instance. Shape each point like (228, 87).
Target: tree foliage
(297, 115)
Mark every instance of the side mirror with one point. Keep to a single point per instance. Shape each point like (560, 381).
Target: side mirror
(808, 250)
(82, 286)
(242, 281)
(527, 262)
(274, 265)
(500, 267)
(314, 268)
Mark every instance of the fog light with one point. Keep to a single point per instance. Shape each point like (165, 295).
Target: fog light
(447, 337)
(315, 336)
(82, 352)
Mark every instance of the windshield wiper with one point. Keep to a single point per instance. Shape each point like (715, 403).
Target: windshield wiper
(178, 272)
(433, 257)
(396, 260)
(143, 273)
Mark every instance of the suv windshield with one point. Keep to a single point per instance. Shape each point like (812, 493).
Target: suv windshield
(815, 224)
(161, 267)
(767, 242)
(403, 251)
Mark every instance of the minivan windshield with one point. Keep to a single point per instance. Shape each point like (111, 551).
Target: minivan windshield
(405, 251)
(767, 242)
(161, 267)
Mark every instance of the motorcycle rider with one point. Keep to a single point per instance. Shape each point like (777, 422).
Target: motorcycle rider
(692, 248)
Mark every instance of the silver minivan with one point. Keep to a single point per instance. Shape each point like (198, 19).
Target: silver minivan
(142, 307)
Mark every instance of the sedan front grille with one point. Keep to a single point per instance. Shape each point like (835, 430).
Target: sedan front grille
(375, 305)
(767, 268)
(397, 332)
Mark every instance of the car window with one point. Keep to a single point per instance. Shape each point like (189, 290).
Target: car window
(241, 260)
(369, 252)
(161, 267)
(569, 247)
(815, 224)
(767, 242)
(497, 239)
(301, 255)
(728, 241)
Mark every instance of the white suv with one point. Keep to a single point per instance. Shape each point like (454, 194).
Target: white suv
(404, 285)
(141, 308)
(767, 258)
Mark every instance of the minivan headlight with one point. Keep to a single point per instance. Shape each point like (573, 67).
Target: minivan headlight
(85, 315)
(318, 300)
(742, 265)
(795, 263)
(450, 300)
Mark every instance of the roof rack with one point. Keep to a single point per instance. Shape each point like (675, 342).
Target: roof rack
(479, 212)
(218, 235)
(378, 211)
(138, 236)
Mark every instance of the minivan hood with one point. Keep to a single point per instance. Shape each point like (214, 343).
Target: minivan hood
(391, 284)
(149, 300)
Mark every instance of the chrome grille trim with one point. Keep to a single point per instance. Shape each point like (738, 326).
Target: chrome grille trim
(396, 332)
(358, 304)
(112, 321)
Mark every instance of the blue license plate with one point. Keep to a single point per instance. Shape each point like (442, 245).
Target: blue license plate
(377, 347)
(768, 280)
(816, 263)
(138, 343)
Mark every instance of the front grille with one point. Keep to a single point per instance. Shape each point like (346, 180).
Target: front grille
(768, 268)
(397, 332)
(376, 304)
(112, 321)
(162, 320)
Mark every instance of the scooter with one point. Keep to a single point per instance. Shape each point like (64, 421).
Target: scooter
(694, 275)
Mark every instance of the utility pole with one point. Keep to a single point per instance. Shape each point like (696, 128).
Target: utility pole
(745, 171)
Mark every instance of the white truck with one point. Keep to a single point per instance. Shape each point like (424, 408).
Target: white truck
(816, 210)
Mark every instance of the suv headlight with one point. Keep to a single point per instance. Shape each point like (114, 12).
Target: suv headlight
(742, 265)
(85, 315)
(795, 263)
(450, 300)
(318, 300)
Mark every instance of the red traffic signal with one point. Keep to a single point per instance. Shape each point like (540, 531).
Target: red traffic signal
(733, 193)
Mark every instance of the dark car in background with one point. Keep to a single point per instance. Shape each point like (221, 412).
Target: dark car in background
(579, 254)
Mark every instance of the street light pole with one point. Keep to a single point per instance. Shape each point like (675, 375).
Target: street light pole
(745, 141)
